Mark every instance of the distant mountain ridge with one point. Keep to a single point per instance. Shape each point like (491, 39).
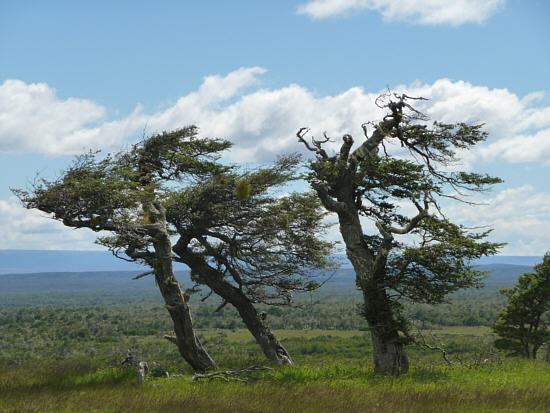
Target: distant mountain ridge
(41, 261)
(118, 287)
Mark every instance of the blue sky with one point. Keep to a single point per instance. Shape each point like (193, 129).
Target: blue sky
(75, 75)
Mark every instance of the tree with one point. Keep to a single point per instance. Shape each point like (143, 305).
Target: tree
(249, 244)
(238, 235)
(123, 194)
(404, 163)
(524, 324)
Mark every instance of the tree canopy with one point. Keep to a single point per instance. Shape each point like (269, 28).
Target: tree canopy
(267, 242)
(123, 194)
(168, 198)
(524, 324)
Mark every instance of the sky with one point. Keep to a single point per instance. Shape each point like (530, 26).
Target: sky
(76, 76)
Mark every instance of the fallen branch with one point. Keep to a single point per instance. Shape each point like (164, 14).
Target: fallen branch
(423, 343)
(420, 341)
(229, 375)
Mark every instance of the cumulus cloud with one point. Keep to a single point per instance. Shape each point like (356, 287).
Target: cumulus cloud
(263, 122)
(34, 119)
(519, 217)
(425, 12)
(519, 129)
(31, 229)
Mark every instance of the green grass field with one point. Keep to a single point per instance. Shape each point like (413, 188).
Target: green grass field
(332, 374)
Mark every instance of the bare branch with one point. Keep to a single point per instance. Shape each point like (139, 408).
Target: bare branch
(316, 143)
(420, 341)
(413, 223)
(222, 305)
(345, 148)
(143, 274)
(327, 200)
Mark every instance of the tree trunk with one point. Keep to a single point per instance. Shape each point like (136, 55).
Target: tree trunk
(269, 344)
(526, 352)
(214, 279)
(176, 302)
(388, 354)
(534, 351)
(387, 347)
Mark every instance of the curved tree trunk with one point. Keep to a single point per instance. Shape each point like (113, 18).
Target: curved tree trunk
(388, 354)
(187, 342)
(214, 279)
(269, 344)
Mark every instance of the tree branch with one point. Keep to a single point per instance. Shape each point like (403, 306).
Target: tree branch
(143, 274)
(328, 202)
(316, 144)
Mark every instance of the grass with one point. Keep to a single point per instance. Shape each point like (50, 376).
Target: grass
(509, 387)
(332, 374)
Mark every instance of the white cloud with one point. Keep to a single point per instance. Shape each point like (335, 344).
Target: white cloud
(32, 118)
(426, 12)
(262, 123)
(519, 131)
(519, 216)
(521, 148)
(31, 229)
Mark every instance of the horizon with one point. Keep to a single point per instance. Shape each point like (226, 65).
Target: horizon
(87, 261)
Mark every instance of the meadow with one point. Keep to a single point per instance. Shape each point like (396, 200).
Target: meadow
(332, 374)
(61, 352)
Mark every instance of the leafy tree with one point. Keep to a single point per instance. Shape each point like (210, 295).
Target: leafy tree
(242, 239)
(249, 244)
(418, 257)
(524, 325)
(123, 194)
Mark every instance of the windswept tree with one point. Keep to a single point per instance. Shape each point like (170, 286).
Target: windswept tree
(524, 324)
(402, 164)
(123, 194)
(249, 243)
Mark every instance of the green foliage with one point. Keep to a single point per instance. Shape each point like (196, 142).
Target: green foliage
(524, 324)
(429, 272)
(175, 155)
(108, 193)
(243, 190)
(403, 165)
(243, 225)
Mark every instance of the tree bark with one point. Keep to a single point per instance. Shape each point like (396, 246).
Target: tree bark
(388, 354)
(176, 302)
(269, 344)
(214, 279)
(387, 347)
